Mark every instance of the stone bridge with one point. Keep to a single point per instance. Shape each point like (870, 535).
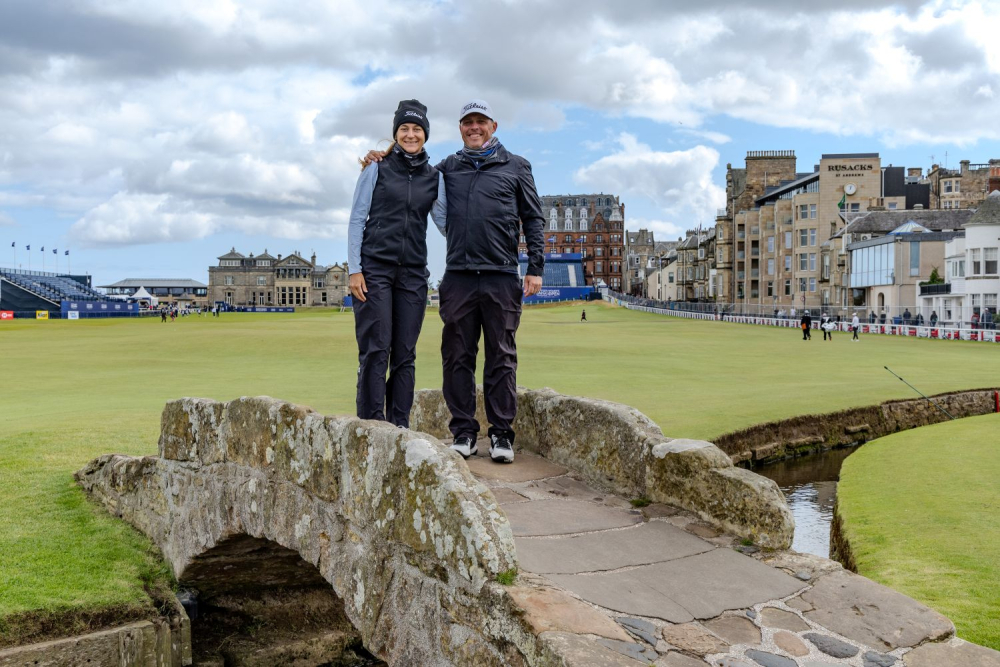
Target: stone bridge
(328, 540)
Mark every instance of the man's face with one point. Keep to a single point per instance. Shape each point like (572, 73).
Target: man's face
(476, 130)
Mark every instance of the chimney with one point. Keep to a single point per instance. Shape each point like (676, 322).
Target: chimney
(314, 258)
(279, 256)
(965, 167)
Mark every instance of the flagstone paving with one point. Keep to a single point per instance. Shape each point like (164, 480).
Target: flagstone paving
(607, 584)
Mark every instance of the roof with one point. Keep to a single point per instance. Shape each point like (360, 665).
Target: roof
(988, 212)
(918, 237)
(232, 254)
(842, 156)
(786, 186)
(883, 222)
(908, 227)
(156, 282)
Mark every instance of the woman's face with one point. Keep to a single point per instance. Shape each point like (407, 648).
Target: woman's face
(410, 137)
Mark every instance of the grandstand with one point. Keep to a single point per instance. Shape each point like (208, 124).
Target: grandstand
(563, 279)
(26, 291)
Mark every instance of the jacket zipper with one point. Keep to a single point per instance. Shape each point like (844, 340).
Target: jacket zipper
(468, 216)
(406, 220)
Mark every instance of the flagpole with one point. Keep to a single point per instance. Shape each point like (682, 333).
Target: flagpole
(43, 258)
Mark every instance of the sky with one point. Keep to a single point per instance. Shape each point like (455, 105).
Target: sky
(150, 137)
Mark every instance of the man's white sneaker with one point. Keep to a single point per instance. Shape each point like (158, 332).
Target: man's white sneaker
(465, 446)
(501, 450)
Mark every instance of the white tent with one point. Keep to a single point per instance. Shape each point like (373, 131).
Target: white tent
(142, 295)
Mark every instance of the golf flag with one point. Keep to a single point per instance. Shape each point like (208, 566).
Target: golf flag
(552, 239)
(27, 247)
(67, 252)
(843, 201)
(581, 239)
(55, 251)
(43, 248)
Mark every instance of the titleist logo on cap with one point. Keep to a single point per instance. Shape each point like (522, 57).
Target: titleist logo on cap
(474, 105)
(414, 114)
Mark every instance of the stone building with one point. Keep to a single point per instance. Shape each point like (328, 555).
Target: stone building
(591, 225)
(965, 187)
(265, 280)
(777, 241)
(640, 250)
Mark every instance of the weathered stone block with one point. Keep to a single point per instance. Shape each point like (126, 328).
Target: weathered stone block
(189, 431)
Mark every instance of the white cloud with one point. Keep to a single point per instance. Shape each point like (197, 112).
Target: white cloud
(6, 220)
(679, 183)
(209, 115)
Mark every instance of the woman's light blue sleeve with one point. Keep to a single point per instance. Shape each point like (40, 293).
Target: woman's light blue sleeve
(439, 210)
(359, 215)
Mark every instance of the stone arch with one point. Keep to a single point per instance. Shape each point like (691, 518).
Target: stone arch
(391, 519)
(251, 600)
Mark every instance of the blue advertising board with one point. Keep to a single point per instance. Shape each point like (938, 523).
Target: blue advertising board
(560, 294)
(99, 308)
(556, 257)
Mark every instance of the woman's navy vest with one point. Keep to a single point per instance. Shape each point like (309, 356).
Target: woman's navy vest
(396, 231)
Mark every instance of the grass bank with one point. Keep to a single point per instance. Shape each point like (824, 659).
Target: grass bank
(73, 390)
(921, 511)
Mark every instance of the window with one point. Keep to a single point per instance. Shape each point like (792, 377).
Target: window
(701, 253)
(319, 282)
(914, 258)
(599, 239)
(670, 277)
(803, 237)
(812, 211)
(599, 267)
(812, 237)
(599, 252)
(892, 206)
(230, 280)
(812, 284)
(261, 280)
(803, 284)
(522, 239)
(788, 239)
(803, 211)
(990, 302)
(990, 261)
(803, 261)
(788, 288)
(855, 207)
(569, 225)
(583, 222)
(947, 187)
(770, 269)
(553, 225)
(977, 264)
(770, 244)
(788, 262)
(812, 261)
(568, 238)
(770, 288)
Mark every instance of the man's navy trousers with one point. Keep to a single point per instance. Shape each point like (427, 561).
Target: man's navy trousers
(387, 326)
(473, 302)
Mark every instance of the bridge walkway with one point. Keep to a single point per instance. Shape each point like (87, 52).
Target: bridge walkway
(621, 586)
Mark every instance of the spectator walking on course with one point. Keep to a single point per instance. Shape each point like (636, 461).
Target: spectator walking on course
(163, 315)
(806, 324)
(387, 264)
(855, 327)
(826, 324)
(583, 316)
(491, 201)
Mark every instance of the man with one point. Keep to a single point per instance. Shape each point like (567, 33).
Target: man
(855, 327)
(491, 197)
(806, 324)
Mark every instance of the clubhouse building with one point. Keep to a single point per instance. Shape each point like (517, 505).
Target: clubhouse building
(265, 280)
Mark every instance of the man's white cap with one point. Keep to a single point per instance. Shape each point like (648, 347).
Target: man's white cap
(477, 106)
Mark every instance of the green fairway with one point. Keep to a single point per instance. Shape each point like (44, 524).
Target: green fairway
(921, 511)
(73, 390)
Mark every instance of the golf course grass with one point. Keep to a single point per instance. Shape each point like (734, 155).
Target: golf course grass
(73, 390)
(921, 511)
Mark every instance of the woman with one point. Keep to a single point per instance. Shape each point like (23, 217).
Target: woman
(387, 263)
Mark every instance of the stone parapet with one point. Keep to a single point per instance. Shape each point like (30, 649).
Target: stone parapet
(797, 436)
(618, 448)
(391, 519)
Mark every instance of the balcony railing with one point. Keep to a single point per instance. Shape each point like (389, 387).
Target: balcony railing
(741, 234)
(755, 273)
(741, 275)
(741, 255)
(755, 252)
(931, 290)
